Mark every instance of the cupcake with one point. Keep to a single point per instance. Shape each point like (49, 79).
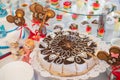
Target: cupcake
(54, 2)
(67, 5)
(88, 29)
(59, 17)
(74, 16)
(89, 15)
(96, 5)
(101, 32)
(73, 26)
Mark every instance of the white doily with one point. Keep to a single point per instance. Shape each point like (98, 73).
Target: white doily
(97, 69)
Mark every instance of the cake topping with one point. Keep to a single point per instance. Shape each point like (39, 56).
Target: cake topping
(58, 60)
(48, 59)
(46, 51)
(69, 60)
(70, 47)
(41, 46)
(79, 60)
(52, 57)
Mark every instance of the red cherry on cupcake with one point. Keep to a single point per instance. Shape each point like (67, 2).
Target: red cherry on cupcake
(96, 5)
(59, 17)
(88, 29)
(101, 31)
(74, 16)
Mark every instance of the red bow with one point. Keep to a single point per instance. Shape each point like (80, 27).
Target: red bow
(34, 36)
(36, 22)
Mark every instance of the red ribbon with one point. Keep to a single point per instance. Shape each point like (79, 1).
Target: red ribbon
(24, 26)
(115, 72)
(35, 36)
(36, 22)
(20, 28)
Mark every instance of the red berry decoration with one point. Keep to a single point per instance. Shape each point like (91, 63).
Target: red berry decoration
(67, 4)
(54, 2)
(74, 16)
(96, 5)
(88, 29)
(59, 17)
(101, 31)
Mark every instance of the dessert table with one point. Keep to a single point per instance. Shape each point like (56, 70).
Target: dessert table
(65, 23)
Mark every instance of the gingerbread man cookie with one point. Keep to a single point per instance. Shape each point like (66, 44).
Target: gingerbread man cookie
(18, 19)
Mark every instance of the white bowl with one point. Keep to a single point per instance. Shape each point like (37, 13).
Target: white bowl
(17, 70)
(115, 42)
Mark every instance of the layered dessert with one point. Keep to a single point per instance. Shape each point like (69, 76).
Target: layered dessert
(67, 53)
(54, 2)
(67, 5)
(96, 5)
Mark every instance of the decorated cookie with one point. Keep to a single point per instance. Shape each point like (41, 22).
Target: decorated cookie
(112, 58)
(41, 15)
(39, 12)
(18, 19)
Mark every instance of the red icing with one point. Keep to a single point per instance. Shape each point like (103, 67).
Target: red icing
(59, 16)
(88, 28)
(74, 15)
(54, 0)
(101, 30)
(96, 5)
(67, 3)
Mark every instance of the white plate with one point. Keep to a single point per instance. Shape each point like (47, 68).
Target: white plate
(17, 70)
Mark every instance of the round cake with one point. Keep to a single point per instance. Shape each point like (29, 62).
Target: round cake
(67, 53)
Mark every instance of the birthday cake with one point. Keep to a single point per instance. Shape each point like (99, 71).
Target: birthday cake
(67, 53)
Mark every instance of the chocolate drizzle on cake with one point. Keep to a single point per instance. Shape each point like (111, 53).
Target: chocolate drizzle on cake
(70, 47)
(41, 46)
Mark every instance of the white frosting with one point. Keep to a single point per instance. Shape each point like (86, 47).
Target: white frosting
(44, 63)
(56, 67)
(71, 58)
(69, 69)
(52, 57)
(81, 67)
(83, 55)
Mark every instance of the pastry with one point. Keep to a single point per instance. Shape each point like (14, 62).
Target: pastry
(67, 53)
